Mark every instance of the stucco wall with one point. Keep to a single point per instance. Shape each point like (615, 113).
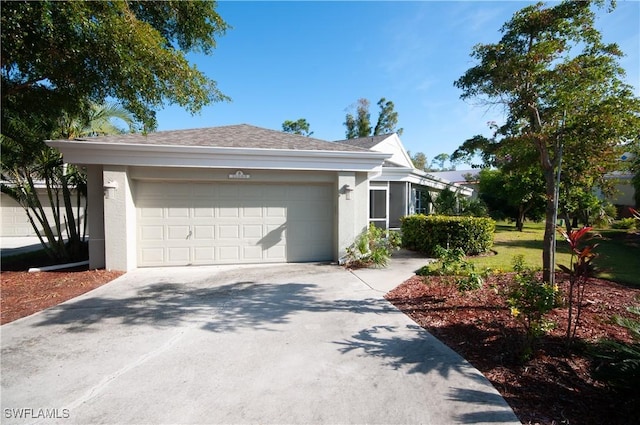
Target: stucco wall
(120, 227)
(14, 220)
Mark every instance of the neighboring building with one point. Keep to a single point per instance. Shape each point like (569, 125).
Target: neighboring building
(238, 194)
(624, 196)
(15, 222)
(466, 178)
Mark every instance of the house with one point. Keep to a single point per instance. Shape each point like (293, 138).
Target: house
(15, 222)
(467, 178)
(400, 189)
(236, 194)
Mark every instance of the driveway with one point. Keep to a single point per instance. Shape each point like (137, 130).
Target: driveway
(298, 343)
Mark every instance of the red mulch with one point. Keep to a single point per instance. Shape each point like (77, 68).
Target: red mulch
(23, 293)
(556, 385)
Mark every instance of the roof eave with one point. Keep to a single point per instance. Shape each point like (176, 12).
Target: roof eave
(216, 157)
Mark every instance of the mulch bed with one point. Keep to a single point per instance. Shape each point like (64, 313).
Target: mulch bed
(555, 386)
(23, 293)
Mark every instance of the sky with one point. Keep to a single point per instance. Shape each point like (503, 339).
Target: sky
(313, 60)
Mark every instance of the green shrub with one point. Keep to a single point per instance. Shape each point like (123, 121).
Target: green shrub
(451, 262)
(474, 235)
(621, 362)
(372, 248)
(624, 223)
(530, 300)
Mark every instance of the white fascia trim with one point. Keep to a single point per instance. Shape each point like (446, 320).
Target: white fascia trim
(415, 176)
(217, 157)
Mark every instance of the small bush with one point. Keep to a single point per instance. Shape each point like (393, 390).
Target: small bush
(451, 262)
(473, 235)
(372, 248)
(530, 300)
(624, 223)
(621, 362)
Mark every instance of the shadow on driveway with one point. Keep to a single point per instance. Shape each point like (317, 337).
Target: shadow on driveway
(218, 309)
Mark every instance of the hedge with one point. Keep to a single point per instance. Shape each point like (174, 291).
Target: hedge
(423, 233)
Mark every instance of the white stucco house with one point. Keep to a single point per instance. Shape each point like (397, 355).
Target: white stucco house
(400, 189)
(237, 194)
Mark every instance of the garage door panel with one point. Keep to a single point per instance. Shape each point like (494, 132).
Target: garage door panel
(204, 212)
(280, 212)
(277, 253)
(229, 253)
(203, 255)
(178, 255)
(152, 256)
(228, 231)
(233, 223)
(228, 212)
(152, 233)
(252, 254)
(252, 211)
(178, 233)
(175, 212)
(203, 232)
(252, 231)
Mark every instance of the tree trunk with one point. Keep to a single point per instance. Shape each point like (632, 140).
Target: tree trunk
(548, 248)
(520, 218)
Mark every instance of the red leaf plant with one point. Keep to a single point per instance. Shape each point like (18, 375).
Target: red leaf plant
(580, 270)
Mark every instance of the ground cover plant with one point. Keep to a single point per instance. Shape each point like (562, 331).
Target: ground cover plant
(514, 328)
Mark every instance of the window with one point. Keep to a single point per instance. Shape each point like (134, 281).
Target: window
(422, 201)
(378, 208)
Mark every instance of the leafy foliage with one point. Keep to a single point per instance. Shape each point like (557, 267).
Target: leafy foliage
(564, 97)
(624, 223)
(474, 235)
(62, 59)
(300, 126)
(360, 124)
(452, 262)
(373, 247)
(513, 194)
(67, 52)
(530, 300)
(621, 362)
(580, 270)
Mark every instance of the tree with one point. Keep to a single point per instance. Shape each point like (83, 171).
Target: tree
(437, 164)
(419, 161)
(515, 194)
(562, 91)
(301, 127)
(360, 124)
(23, 167)
(59, 58)
(133, 51)
(387, 119)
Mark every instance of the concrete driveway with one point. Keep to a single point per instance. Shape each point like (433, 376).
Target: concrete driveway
(253, 344)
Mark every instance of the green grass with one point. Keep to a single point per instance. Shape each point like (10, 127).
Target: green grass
(619, 260)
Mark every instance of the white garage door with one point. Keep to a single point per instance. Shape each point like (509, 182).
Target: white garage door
(229, 223)
(14, 220)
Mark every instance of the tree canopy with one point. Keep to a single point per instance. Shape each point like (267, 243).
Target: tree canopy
(300, 126)
(563, 93)
(60, 59)
(359, 125)
(56, 56)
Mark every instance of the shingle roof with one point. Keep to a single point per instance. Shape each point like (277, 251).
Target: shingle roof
(230, 136)
(364, 142)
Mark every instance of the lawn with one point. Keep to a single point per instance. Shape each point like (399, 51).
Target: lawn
(618, 250)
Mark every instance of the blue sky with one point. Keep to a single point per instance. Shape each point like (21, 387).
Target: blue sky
(289, 60)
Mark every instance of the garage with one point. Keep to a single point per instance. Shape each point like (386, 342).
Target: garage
(188, 223)
(235, 194)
